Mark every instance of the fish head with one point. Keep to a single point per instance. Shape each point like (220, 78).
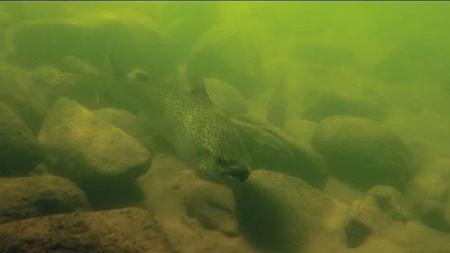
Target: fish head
(224, 170)
(232, 170)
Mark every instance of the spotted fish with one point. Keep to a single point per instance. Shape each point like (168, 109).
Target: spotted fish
(198, 133)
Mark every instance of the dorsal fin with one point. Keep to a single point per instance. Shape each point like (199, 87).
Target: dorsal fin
(198, 90)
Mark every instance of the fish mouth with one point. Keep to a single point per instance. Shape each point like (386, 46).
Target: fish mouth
(238, 174)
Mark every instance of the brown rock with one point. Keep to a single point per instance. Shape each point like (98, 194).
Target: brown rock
(129, 230)
(198, 216)
(23, 197)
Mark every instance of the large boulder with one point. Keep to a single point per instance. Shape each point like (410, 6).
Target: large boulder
(24, 197)
(130, 230)
(197, 215)
(19, 149)
(363, 152)
(280, 213)
(429, 192)
(273, 149)
(90, 151)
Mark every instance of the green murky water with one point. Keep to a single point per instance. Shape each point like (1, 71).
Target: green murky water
(281, 108)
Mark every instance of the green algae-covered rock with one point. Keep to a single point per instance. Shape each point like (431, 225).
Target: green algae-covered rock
(87, 149)
(19, 150)
(24, 197)
(363, 152)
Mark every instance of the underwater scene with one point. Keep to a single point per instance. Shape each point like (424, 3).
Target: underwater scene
(225, 127)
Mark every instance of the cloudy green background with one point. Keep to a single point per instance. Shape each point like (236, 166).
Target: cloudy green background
(391, 58)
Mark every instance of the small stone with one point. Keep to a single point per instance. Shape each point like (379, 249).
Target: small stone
(356, 233)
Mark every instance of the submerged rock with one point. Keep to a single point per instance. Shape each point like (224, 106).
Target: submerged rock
(128, 122)
(57, 80)
(76, 65)
(213, 206)
(129, 230)
(280, 213)
(197, 215)
(391, 203)
(341, 191)
(90, 151)
(272, 149)
(24, 197)
(26, 98)
(380, 208)
(302, 130)
(19, 150)
(429, 192)
(51, 78)
(319, 105)
(363, 153)
(225, 97)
